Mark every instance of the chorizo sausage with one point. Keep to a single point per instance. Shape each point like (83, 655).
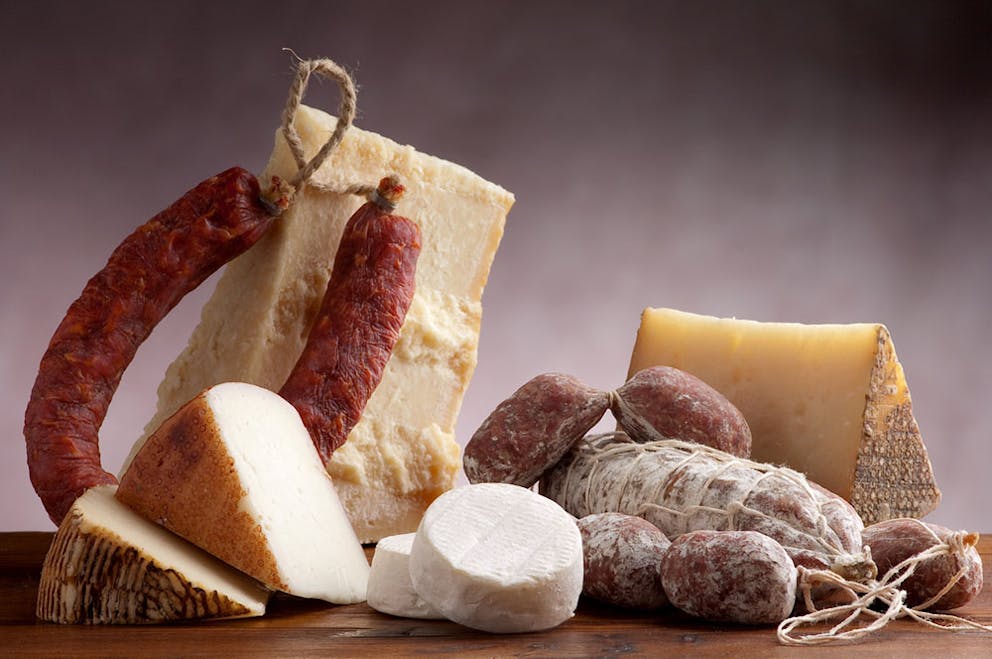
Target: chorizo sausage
(145, 277)
(367, 297)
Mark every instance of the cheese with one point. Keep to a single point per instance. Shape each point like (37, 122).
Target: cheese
(830, 401)
(235, 473)
(402, 454)
(498, 557)
(390, 588)
(107, 564)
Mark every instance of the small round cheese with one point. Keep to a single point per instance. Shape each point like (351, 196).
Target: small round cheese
(390, 589)
(498, 557)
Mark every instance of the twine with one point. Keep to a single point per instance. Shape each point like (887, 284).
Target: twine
(887, 591)
(279, 196)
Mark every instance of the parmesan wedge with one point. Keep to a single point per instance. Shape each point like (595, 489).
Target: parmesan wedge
(830, 401)
(110, 565)
(402, 454)
(236, 473)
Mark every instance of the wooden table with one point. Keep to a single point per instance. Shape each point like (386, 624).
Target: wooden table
(297, 628)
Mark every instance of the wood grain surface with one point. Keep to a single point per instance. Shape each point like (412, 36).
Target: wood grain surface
(297, 628)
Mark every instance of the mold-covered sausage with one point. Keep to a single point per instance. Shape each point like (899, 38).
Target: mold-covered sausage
(662, 402)
(897, 540)
(622, 560)
(530, 431)
(730, 576)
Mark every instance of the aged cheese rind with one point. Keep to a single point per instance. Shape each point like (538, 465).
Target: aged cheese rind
(235, 472)
(254, 326)
(108, 565)
(830, 401)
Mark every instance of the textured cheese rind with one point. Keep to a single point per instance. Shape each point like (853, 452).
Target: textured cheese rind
(254, 326)
(108, 565)
(390, 588)
(498, 557)
(830, 401)
(236, 473)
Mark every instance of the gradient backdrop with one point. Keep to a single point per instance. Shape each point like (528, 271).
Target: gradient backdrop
(806, 161)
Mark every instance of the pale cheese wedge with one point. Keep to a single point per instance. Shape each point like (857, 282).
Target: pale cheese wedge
(235, 472)
(402, 453)
(109, 565)
(830, 401)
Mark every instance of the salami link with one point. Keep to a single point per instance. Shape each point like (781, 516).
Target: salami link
(145, 277)
(368, 295)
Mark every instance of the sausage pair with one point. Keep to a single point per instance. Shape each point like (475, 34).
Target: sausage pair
(149, 273)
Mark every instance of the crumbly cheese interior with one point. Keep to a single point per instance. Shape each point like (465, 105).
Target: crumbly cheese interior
(402, 453)
(830, 401)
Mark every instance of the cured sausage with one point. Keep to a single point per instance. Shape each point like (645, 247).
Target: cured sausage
(145, 277)
(530, 431)
(367, 297)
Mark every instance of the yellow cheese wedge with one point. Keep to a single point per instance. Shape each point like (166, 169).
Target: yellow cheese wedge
(830, 401)
(109, 565)
(402, 454)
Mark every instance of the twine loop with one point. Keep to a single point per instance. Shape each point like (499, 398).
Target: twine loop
(281, 191)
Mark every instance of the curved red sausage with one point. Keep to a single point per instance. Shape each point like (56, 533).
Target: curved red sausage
(145, 277)
(367, 297)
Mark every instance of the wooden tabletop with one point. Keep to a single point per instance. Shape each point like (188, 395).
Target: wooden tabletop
(296, 628)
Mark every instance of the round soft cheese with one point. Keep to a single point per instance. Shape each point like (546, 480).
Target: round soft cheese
(499, 558)
(390, 589)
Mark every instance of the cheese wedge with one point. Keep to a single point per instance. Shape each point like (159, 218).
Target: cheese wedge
(109, 565)
(234, 472)
(830, 401)
(402, 454)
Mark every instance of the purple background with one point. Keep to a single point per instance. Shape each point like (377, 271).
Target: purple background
(815, 162)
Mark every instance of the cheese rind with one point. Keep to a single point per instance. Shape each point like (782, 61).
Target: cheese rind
(255, 325)
(498, 557)
(236, 473)
(109, 565)
(830, 401)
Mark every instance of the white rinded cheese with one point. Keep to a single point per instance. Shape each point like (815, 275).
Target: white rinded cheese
(236, 473)
(109, 565)
(402, 454)
(390, 588)
(498, 557)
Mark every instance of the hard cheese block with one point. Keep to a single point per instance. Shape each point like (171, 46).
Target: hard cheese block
(827, 400)
(402, 454)
(109, 565)
(235, 472)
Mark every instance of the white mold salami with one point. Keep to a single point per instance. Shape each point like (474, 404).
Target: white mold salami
(730, 576)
